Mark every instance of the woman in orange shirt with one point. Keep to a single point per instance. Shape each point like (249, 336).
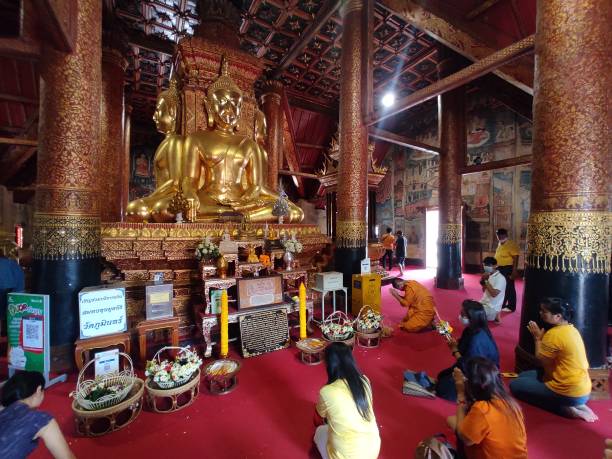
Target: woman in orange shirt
(489, 423)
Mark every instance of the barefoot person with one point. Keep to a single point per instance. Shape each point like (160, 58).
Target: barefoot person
(507, 255)
(401, 245)
(345, 403)
(489, 423)
(420, 304)
(566, 385)
(388, 242)
(22, 425)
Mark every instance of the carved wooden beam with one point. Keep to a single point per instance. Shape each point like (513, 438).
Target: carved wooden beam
(309, 145)
(15, 141)
(463, 76)
(401, 140)
(519, 160)
(289, 149)
(299, 174)
(325, 13)
(156, 45)
(18, 153)
(428, 17)
(516, 100)
(19, 99)
(484, 6)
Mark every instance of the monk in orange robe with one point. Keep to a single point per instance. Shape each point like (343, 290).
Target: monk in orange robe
(420, 304)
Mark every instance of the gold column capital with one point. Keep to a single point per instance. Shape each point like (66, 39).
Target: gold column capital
(570, 241)
(65, 237)
(351, 233)
(449, 233)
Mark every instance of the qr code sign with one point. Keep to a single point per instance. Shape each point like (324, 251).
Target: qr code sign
(33, 334)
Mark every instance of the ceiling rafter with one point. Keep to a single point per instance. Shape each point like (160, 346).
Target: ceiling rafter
(480, 9)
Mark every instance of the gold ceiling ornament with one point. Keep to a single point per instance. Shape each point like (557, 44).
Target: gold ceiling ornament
(65, 237)
(570, 241)
(351, 233)
(450, 233)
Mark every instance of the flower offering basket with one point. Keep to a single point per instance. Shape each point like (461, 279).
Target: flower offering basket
(369, 327)
(113, 387)
(221, 376)
(169, 375)
(337, 327)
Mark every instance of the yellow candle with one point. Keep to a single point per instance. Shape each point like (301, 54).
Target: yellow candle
(224, 324)
(302, 311)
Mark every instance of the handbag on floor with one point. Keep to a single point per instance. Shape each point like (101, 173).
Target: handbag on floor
(435, 447)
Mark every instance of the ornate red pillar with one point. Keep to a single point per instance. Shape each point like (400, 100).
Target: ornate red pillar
(451, 116)
(351, 225)
(66, 239)
(271, 104)
(569, 246)
(111, 134)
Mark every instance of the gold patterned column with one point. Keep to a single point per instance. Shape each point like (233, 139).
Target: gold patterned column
(569, 235)
(271, 104)
(451, 113)
(351, 225)
(66, 240)
(111, 134)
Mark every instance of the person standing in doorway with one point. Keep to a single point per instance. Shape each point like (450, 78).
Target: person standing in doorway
(400, 250)
(507, 254)
(388, 242)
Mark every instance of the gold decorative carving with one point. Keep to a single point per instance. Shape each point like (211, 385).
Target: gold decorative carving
(351, 233)
(449, 233)
(65, 237)
(576, 242)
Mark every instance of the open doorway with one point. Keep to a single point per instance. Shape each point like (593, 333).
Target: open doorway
(431, 238)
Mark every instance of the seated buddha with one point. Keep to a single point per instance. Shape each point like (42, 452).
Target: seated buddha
(167, 162)
(229, 166)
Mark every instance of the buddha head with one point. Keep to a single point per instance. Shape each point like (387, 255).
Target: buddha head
(224, 100)
(166, 109)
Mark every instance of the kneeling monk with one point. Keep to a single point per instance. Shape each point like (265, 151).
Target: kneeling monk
(420, 304)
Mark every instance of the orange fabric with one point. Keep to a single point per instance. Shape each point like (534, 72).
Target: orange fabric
(421, 307)
(494, 431)
(387, 241)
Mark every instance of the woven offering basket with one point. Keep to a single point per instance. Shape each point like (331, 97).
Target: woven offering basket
(168, 385)
(220, 376)
(125, 378)
(95, 423)
(311, 350)
(368, 337)
(340, 318)
(173, 399)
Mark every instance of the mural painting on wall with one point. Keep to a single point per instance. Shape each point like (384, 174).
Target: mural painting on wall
(491, 132)
(384, 201)
(523, 204)
(502, 199)
(399, 164)
(142, 180)
(475, 191)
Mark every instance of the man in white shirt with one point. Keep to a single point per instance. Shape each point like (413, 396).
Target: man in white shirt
(493, 286)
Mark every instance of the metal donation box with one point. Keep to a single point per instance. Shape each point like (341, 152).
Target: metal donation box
(365, 290)
(331, 280)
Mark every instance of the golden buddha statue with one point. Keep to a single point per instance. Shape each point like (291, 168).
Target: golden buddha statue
(167, 162)
(230, 166)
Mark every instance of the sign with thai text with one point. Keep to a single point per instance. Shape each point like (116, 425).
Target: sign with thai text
(101, 311)
(28, 332)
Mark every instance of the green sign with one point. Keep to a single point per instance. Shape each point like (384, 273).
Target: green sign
(28, 332)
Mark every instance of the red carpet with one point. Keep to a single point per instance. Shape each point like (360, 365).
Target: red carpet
(270, 413)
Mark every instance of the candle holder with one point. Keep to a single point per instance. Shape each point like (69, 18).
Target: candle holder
(221, 376)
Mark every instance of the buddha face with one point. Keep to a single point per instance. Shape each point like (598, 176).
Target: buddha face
(165, 116)
(226, 105)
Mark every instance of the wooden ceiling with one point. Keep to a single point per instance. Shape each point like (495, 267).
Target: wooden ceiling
(404, 57)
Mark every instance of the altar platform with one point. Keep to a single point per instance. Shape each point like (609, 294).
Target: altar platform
(141, 250)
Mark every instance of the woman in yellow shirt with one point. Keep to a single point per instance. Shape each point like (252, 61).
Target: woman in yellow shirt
(345, 402)
(566, 385)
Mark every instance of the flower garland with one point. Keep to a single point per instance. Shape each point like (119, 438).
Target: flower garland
(370, 321)
(102, 390)
(185, 364)
(337, 331)
(207, 250)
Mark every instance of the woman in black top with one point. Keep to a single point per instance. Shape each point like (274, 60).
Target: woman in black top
(401, 245)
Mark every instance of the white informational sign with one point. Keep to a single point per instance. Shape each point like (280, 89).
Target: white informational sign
(107, 362)
(33, 334)
(101, 311)
(365, 266)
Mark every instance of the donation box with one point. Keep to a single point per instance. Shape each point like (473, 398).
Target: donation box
(365, 290)
(331, 280)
